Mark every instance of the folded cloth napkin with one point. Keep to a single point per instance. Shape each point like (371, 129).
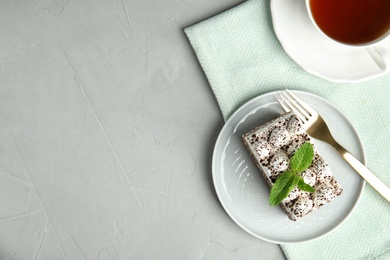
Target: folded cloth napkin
(242, 58)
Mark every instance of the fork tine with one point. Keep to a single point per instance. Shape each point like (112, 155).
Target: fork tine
(302, 111)
(292, 107)
(310, 110)
(286, 109)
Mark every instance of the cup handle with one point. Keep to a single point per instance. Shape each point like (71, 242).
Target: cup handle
(380, 55)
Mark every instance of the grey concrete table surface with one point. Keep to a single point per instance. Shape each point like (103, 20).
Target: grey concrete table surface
(107, 126)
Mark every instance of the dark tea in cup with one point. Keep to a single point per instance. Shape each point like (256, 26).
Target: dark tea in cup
(352, 22)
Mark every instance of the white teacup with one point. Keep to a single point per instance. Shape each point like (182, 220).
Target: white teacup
(377, 50)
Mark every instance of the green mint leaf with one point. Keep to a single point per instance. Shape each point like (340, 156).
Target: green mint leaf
(287, 181)
(303, 186)
(282, 187)
(302, 158)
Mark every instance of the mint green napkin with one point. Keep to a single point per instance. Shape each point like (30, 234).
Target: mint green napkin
(242, 59)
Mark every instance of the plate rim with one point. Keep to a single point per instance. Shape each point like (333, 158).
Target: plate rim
(213, 166)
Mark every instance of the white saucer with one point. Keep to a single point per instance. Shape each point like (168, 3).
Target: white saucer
(243, 192)
(314, 52)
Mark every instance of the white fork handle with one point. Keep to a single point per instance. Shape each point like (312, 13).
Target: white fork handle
(374, 181)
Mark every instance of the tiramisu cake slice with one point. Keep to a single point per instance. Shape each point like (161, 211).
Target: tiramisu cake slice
(272, 145)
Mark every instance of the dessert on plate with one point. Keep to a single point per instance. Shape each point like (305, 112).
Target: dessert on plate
(272, 145)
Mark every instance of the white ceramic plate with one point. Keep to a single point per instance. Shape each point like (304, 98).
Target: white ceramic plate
(314, 52)
(243, 192)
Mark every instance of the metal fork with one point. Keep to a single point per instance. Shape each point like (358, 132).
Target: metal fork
(317, 128)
